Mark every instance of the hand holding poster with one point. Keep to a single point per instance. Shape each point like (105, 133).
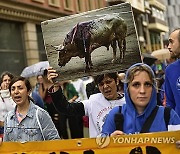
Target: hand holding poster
(91, 43)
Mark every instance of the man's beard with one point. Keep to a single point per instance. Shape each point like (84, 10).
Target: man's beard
(175, 56)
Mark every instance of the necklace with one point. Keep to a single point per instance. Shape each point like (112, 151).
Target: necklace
(113, 104)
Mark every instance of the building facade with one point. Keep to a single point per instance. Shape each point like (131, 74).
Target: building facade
(21, 40)
(149, 16)
(157, 23)
(172, 15)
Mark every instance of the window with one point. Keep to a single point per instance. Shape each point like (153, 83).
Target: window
(158, 14)
(153, 12)
(42, 52)
(12, 51)
(155, 40)
(162, 16)
(170, 22)
(54, 3)
(169, 2)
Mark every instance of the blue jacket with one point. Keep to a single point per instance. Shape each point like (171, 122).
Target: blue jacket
(133, 122)
(38, 100)
(172, 86)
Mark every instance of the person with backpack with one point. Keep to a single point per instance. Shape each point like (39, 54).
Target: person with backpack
(140, 114)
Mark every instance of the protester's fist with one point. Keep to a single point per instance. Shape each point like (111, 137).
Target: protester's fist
(51, 74)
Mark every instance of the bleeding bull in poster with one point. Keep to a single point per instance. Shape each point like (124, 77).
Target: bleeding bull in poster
(91, 43)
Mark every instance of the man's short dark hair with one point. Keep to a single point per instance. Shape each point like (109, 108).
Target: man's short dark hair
(177, 29)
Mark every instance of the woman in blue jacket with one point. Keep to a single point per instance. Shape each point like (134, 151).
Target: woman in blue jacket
(140, 95)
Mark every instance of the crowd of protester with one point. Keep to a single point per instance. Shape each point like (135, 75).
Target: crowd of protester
(141, 93)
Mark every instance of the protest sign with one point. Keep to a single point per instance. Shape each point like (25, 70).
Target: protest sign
(92, 42)
(154, 143)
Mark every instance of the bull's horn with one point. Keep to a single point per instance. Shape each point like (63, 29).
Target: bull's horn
(59, 47)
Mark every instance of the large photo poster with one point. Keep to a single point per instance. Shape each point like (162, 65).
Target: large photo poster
(91, 43)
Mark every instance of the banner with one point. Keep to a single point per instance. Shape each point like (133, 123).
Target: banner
(149, 143)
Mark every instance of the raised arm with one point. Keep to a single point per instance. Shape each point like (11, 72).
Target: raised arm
(59, 100)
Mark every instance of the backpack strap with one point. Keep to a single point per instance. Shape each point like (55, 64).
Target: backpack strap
(149, 120)
(167, 111)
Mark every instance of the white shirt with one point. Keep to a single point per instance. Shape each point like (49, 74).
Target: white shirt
(6, 103)
(97, 108)
(80, 88)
